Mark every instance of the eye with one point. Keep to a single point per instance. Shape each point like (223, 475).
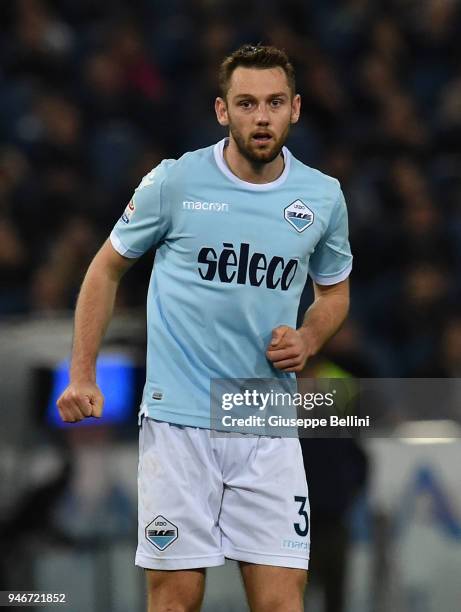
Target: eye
(276, 102)
(245, 104)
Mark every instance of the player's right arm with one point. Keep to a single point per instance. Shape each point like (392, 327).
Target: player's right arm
(143, 225)
(95, 305)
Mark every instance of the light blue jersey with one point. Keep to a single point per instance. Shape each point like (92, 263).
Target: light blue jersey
(232, 260)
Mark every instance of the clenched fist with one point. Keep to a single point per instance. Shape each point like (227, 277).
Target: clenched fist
(290, 348)
(80, 401)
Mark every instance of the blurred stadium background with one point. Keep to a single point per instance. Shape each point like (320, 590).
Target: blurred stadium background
(92, 96)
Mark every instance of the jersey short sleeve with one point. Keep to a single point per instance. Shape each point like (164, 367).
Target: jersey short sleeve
(331, 261)
(145, 221)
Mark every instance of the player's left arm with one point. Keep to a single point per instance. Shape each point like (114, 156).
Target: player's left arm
(290, 348)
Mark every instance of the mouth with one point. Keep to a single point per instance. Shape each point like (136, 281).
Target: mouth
(261, 137)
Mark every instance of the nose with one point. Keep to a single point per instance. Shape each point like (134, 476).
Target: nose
(262, 116)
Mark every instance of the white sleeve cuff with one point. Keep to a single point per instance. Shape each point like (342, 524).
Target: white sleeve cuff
(320, 279)
(121, 248)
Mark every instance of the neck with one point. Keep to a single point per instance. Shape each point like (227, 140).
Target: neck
(250, 171)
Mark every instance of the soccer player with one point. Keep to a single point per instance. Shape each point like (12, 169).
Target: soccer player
(237, 226)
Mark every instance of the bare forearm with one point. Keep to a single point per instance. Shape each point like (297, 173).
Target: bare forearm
(290, 348)
(82, 398)
(324, 317)
(94, 310)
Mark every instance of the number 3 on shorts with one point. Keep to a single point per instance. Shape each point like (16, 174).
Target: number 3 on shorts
(302, 530)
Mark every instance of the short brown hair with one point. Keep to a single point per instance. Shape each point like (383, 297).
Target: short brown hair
(255, 56)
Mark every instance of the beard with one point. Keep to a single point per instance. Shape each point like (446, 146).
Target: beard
(258, 154)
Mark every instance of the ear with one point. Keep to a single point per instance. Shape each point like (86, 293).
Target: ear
(221, 111)
(295, 108)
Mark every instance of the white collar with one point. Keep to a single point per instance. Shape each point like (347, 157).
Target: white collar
(222, 165)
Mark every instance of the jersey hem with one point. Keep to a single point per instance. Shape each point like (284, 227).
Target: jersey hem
(213, 425)
(176, 418)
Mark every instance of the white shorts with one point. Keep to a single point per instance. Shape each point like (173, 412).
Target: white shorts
(204, 498)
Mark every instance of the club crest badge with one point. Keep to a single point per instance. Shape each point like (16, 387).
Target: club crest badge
(161, 532)
(299, 215)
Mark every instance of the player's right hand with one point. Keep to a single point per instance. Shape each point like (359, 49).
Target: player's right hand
(80, 401)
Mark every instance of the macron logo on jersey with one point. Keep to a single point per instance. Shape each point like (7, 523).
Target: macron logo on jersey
(209, 206)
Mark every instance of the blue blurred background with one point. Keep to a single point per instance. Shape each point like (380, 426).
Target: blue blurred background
(92, 96)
